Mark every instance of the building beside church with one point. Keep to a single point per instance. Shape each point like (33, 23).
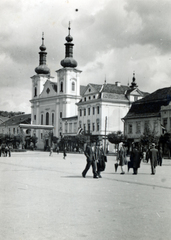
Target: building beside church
(152, 112)
(67, 105)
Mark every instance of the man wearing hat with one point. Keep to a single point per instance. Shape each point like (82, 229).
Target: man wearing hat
(90, 155)
(153, 158)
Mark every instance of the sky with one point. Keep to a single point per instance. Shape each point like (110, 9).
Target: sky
(112, 39)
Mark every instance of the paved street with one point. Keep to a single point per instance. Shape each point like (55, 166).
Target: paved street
(44, 197)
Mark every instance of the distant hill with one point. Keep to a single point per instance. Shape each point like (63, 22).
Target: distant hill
(10, 114)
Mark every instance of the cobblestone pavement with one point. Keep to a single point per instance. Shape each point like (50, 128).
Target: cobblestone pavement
(46, 198)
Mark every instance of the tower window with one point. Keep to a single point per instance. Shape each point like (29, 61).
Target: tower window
(35, 91)
(98, 110)
(80, 112)
(61, 89)
(73, 86)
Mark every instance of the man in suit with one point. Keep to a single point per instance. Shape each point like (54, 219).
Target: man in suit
(90, 155)
(153, 158)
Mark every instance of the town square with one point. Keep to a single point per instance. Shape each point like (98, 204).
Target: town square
(45, 197)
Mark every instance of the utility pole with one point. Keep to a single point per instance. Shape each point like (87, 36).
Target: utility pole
(105, 134)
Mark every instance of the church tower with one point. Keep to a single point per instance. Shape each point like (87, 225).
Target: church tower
(43, 72)
(68, 81)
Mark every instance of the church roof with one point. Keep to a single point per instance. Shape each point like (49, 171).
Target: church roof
(150, 105)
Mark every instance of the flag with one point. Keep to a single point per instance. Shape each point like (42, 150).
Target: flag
(80, 131)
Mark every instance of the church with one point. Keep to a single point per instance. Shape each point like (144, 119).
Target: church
(67, 105)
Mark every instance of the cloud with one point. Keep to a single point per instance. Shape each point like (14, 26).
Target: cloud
(111, 38)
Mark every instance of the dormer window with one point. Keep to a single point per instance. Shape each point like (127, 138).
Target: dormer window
(85, 99)
(89, 90)
(89, 98)
(94, 96)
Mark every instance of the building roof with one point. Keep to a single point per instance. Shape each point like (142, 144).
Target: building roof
(23, 118)
(113, 88)
(150, 105)
(82, 90)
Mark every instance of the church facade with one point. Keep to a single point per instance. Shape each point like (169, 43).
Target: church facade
(67, 105)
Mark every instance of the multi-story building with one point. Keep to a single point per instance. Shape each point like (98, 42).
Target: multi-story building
(152, 112)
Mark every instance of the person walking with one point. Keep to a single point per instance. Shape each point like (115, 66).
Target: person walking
(122, 157)
(51, 151)
(153, 158)
(160, 157)
(100, 157)
(135, 158)
(90, 155)
(64, 152)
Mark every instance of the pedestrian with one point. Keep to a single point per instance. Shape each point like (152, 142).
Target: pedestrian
(122, 157)
(64, 152)
(57, 149)
(90, 155)
(160, 157)
(135, 158)
(100, 157)
(6, 150)
(148, 154)
(51, 151)
(153, 158)
(9, 150)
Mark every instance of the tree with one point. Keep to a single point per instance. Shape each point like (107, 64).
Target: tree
(149, 136)
(116, 137)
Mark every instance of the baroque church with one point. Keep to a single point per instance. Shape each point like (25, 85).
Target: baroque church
(67, 105)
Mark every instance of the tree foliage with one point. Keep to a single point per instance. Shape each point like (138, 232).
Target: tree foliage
(149, 136)
(116, 137)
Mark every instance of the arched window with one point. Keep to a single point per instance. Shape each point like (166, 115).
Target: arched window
(35, 91)
(53, 118)
(41, 119)
(61, 89)
(73, 86)
(47, 118)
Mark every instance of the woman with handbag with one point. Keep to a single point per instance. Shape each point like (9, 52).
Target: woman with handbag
(101, 159)
(122, 157)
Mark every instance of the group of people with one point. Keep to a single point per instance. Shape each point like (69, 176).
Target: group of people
(5, 150)
(136, 155)
(96, 158)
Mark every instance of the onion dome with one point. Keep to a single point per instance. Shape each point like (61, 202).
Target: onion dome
(69, 61)
(42, 68)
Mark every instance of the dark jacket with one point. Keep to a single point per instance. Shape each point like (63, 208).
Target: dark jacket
(135, 158)
(89, 153)
(154, 156)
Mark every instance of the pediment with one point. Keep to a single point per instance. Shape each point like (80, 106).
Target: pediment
(136, 92)
(90, 89)
(49, 89)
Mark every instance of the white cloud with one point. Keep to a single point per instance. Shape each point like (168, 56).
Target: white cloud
(112, 38)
